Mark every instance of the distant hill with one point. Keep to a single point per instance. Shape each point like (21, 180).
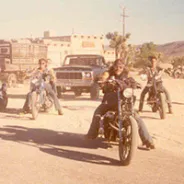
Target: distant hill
(172, 49)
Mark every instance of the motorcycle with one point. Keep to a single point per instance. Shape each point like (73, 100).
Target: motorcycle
(156, 97)
(39, 100)
(178, 73)
(121, 124)
(3, 97)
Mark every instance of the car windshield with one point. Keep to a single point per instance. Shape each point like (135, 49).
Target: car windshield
(91, 61)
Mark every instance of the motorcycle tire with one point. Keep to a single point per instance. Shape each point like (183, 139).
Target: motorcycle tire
(154, 108)
(162, 108)
(34, 107)
(128, 146)
(2, 105)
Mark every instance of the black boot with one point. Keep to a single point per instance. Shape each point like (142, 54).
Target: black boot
(60, 112)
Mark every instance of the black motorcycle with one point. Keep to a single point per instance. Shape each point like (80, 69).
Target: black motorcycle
(3, 97)
(156, 97)
(121, 125)
(39, 100)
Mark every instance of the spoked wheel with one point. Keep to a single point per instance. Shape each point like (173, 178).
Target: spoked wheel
(128, 145)
(162, 107)
(34, 105)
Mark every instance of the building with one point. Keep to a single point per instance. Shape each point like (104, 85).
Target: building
(60, 46)
(109, 54)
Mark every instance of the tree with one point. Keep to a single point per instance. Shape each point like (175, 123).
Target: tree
(176, 61)
(118, 42)
(146, 50)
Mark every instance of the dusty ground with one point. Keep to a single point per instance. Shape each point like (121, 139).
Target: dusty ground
(52, 150)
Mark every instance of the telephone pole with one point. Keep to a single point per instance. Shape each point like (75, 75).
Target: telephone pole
(124, 16)
(73, 31)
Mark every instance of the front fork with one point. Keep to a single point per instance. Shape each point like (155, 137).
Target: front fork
(120, 121)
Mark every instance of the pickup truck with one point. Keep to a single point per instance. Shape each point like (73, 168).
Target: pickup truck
(79, 74)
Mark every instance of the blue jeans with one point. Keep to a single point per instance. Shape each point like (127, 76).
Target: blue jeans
(50, 92)
(102, 109)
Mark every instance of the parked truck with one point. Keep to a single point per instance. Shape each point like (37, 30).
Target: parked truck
(79, 74)
(18, 56)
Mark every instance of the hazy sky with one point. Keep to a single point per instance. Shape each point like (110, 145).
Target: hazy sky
(160, 21)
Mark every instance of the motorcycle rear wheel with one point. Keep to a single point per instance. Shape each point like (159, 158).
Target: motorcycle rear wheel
(128, 146)
(162, 108)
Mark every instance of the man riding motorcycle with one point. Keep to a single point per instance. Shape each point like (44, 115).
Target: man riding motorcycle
(109, 102)
(48, 77)
(154, 71)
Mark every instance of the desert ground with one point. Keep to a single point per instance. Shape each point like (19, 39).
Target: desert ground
(52, 149)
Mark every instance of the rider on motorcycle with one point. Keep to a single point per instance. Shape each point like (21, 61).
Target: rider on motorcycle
(48, 77)
(109, 102)
(154, 71)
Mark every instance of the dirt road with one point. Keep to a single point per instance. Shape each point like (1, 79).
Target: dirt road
(52, 150)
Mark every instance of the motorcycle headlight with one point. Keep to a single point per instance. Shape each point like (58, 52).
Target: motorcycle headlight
(128, 93)
(144, 77)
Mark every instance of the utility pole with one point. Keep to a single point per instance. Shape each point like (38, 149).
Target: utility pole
(73, 31)
(124, 16)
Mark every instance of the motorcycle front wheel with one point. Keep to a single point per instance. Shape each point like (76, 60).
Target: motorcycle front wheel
(162, 107)
(128, 144)
(34, 105)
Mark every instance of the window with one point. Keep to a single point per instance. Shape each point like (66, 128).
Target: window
(4, 50)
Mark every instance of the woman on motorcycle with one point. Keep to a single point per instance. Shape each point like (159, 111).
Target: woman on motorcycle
(154, 71)
(49, 78)
(109, 102)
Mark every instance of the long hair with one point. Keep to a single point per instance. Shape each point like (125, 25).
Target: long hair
(118, 62)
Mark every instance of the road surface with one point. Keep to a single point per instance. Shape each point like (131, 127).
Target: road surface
(52, 149)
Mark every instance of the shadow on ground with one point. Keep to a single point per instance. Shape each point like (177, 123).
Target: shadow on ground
(81, 156)
(17, 96)
(13, 113)
(149, 117)
(177, 103)
(49, 140)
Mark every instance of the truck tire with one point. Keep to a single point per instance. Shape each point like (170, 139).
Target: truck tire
(12, 80)
(78, 93)
(95, 91)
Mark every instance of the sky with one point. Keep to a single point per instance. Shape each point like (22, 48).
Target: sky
(160, 21)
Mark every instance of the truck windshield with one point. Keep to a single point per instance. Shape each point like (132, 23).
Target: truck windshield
(4, 51)
(92, 61)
